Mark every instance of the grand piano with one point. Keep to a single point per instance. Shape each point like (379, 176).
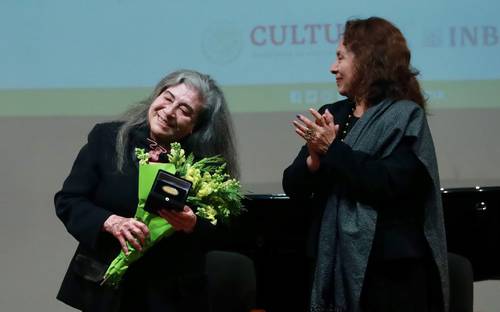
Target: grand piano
(272, 234)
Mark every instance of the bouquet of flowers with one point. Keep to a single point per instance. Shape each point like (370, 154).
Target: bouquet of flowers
(215, 195)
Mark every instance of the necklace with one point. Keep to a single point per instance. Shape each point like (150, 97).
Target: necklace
(348, 124)
(155, 150)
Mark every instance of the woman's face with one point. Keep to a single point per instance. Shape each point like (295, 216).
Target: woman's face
(344, 70)
(173, 114)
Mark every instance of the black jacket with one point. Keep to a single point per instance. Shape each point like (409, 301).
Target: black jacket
(92, 192)
(395, 183)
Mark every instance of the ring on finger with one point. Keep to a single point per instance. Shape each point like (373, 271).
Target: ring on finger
(309, 134)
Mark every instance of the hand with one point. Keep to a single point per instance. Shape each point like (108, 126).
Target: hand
(313, 161)
(181, 221)
(318, 134)
(127, 230)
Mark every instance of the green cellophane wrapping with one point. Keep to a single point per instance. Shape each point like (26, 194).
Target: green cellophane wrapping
(158, 227)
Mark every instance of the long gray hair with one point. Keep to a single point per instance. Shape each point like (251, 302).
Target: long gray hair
(213, 133)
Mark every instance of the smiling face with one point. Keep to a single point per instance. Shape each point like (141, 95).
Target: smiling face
(344, 70)
(173, 114)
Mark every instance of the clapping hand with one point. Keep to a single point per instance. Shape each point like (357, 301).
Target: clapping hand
(318, 134)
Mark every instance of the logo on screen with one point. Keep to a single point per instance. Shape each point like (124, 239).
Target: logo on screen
(222, 43)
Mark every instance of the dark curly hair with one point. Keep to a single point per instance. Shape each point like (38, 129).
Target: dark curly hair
(382, 62)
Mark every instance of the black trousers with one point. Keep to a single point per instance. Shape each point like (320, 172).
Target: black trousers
(402, 285)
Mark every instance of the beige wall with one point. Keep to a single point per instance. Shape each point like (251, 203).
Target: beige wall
(37, 153)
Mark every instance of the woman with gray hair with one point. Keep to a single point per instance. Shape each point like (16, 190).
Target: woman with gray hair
(98, 200)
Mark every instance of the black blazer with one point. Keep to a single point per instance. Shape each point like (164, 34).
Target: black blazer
(395, 183)
(92, 192)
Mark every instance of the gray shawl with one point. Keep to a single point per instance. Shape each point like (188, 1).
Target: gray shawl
(348, 227)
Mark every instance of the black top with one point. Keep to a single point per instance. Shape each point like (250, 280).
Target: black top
(92, 192)
(394, 183)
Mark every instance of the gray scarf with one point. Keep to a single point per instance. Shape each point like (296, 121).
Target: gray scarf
(348, 227)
